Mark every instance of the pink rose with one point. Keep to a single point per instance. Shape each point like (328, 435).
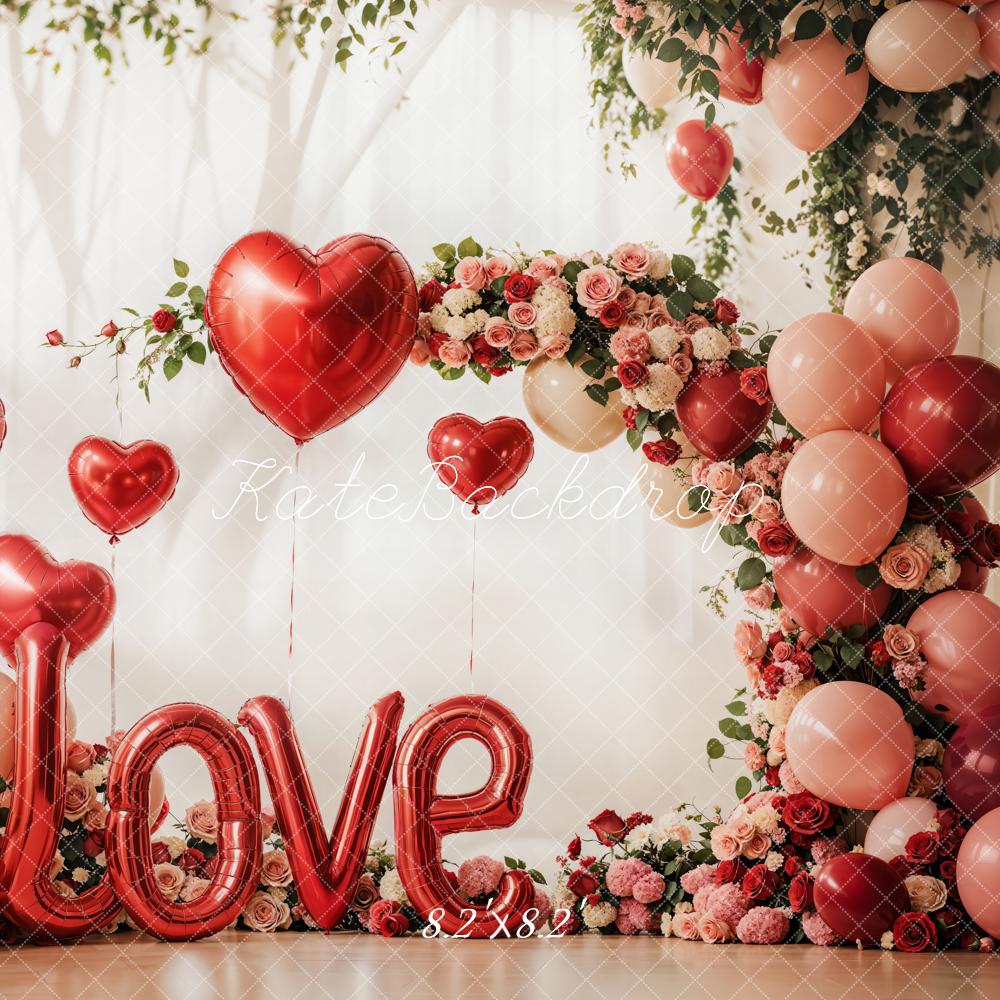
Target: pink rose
(728, 509)
(900, 642)
(713, 931)
(546, 266)
(274, 869)
(760, 597)
(722, 477)
(681, 364)
(169, 879)
(96, 818)
(454, 353)
(627, 297)
(725, 844)
(470, 272)
(420, 353)
(742, 829)
(750, 643)
(556, 346)
(524, 346)
(757, 846)
(628, 343)
(497, 267)
(202, 821)
(80, 756)
(498, 332)
(193, 888)
(266, 914)
(766, 509)
(597, 286)
(631, 258)
(904, 566)
(685, 926)
(80, 796)
(523, 315)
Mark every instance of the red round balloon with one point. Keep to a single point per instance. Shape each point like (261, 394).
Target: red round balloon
(700, 159)
(860, 896)
(739, 79)
(942, 421)
(480, 462)
(718, 419)
(971, 765)
(120, 487)
(76, 597)
(820, 594)
(312, 338)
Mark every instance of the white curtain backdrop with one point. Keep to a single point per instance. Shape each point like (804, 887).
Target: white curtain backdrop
(593, 631)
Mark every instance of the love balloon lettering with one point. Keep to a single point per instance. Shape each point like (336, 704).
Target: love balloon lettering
(326, 871)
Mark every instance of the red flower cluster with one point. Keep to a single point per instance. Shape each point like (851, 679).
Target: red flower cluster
(776, 538)
(609, 827)
(753, 384)
(385, 918)
(914, 932)
(662, 452)
(632, 374)
(807, 815)
(519, 287)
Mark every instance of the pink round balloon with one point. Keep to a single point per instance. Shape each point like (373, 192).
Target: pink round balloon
(811, 97)
(820, 594)
(959, 634)
(827, 374)
(893, 825)
(979, 872)
(909, 309)
(988, 22)
(845, 496)
(848, 743)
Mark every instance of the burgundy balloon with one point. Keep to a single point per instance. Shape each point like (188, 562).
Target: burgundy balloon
(820, 594)
(312, 338)
(326, 872)
(718, 419)
(480, 462)
(423, 817)
(942, 421)
(739, 80)
(76, 597)
(28, 896)
(699, 159)
(120, 487)
(860, 896)
(128, 845)
(972, 576)
(971, 765)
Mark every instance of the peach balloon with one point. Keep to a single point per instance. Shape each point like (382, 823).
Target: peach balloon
(979, 872)
(665, 488)
(553, 391)
(811, 97)
(894, 824)
(8, 709)
(921, 45)
(848, 743)
(157, 793)
(959, 634)
(908, 308)
(652, 80)
(845, 496)
(988, 23)
(827, 374)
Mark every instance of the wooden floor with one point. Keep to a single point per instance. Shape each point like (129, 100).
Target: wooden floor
(309, 967)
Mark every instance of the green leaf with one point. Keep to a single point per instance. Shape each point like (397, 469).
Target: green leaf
(737, 708)
(572, 270)
(809, 25)
(710, 110)
(680, 303)
(537, 876)
(702, 289)
(171, 367)
(196, 352)
(868, 576)
(729, 728)
(852, 654)
(180, 268)
(197, 295)
(715, 749)
(594, 367)
(444, 252)
(177, 288)
(743, 786)
(750, 573)
(683, 267)
(598, 394)
(733, 534)
(469, 248)
(671, 50)
(634, 438)
(854, 62)
(510, 863)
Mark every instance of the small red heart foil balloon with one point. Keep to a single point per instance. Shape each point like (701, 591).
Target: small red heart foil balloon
(718, 419)
(121, 486)
(739, 80)
(860, 896)
(480, 462)
(312, 338)
(78, 598)
(700, 159)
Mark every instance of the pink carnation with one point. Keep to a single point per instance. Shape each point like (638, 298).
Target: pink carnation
(623, 873)
(701, 898)
(818, 930)
(544, 906)
(649, 888)
(753, 757)
(693, 880)
(728, 904)
(629, 344)
(479, 876)
(635, 918)
(824, 848)
(763, 925)
(788, 780)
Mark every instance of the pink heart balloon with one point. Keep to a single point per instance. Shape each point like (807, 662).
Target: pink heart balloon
(718, 419)
(700, 159)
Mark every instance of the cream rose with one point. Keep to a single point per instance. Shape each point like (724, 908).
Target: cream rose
(904, 566)
(927, 894)
(193, 888)
(685, 926)
(80, 796)
(266, 914)
(274, 869)
(725, 844)
(169, 879)
(202, 821)
(900, 642)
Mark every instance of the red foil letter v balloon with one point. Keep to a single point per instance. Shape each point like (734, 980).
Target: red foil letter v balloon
(326, 872)
(312, 338)
(423, 817)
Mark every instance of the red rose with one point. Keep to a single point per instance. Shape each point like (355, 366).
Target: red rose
(786, 444)
(628, 415)
(804, 662)
(985, 549)
(485, 353)
(914, 932)
(435, 342)
(164, 320)
(753, 384)
(773, 776)
(190, 860)
(93, 843)
(807, 814)
(54, 337)
(394, 925)
(949, 920)
(951, 840)
(612, 314)
(378, 911)
(430, 294)
(632, 374)
(587, 861)
(574, 848)
(499, 370)
(110, 329)
(662, 452)
(729, 871)
(519, 287)
(608, 826)
(161, 853)
(957, 527)
(878, 653)
(948, 870)
(772, 679)
(593, 899)
(776, 538)
(725, 311)
(581, 882)
(902, 867)
(923, 848)
(793, 865)
(800, 893)
(759, 883)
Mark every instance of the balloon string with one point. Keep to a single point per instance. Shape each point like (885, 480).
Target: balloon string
(472, 607)
(291, 590)
(113, 665)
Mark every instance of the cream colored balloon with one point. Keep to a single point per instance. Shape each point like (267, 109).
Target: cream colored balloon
(70, 721)
(157, 793)
(8, 710)
(554, 394)
(922, 45)
(653, 80)
(665, 489)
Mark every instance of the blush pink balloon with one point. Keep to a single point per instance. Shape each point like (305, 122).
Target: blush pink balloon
(826, 374)
(848, 743)
(845, 496)
(959, 634)
(988, 22)
(700, 159)
(893, 825)
(820, 594)
(811, 97)
(979, 872)
(909, 309)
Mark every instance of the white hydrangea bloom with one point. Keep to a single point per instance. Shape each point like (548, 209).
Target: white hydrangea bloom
(391, 887)
(601, 915)
(710, 344)
(662, 388)
(439, 318)
(664, 342)
(460, 300)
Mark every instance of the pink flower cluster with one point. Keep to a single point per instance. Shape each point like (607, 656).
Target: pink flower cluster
(627, 16)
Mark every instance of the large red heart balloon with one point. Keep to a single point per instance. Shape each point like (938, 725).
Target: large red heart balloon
(717, 417)
(312, 338)
(480, 462)
(120, 487)
(700, 159)
(739, 80)
(76, 597)
(942, 421)
(860, 896)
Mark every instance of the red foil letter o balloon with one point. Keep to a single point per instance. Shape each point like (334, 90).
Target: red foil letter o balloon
(423, 817)
(237, 796)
